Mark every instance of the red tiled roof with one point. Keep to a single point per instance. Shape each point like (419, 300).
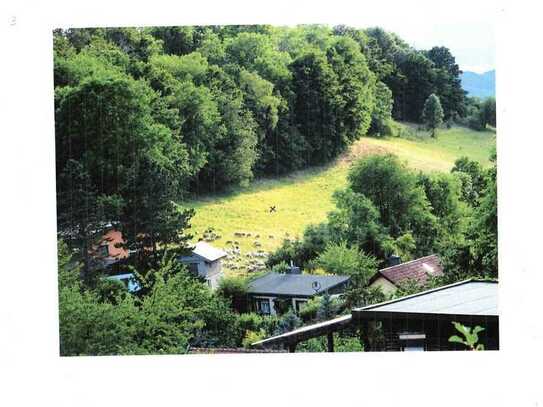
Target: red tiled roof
(419, 270)
(112, 238)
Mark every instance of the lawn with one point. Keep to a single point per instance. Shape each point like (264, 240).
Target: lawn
(244, 225)
(429, 154)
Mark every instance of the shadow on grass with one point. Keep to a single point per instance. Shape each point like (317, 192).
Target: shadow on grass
(264, 184)
(411, 132)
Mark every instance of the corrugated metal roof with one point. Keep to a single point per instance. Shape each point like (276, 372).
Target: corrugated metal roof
(208, 252)
(470, 297)
(293, 284)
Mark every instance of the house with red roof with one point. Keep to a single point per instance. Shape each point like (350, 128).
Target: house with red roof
(419, 270)
(109, 249)
(203, 261)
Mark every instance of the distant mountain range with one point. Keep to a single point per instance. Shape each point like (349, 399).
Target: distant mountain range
(479, 84)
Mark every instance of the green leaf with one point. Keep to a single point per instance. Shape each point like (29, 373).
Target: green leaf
(471, 339)
(457, 339)
(478, 329)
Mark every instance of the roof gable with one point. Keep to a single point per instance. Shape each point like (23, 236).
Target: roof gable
(418, 270)
(208, 252)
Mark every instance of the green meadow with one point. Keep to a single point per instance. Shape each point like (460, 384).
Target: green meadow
(243, 223)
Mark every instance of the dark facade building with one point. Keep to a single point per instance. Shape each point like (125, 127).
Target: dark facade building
(419, 322)
(424, 321)
(293, 288)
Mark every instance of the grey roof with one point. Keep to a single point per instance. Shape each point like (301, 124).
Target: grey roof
(293, 284)
(208, 252)
(469, 297)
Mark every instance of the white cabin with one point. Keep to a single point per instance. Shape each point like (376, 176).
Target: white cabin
(206, 261)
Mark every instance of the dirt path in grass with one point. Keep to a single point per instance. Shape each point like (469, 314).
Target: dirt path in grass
(359, 149)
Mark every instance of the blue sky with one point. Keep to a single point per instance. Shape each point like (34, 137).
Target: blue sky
(466, 27)
(472, 43)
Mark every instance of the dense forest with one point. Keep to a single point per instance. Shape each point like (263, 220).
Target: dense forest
(147, 117)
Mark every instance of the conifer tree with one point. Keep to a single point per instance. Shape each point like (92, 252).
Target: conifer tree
(432, 114)
(288, 322)
(327, 309)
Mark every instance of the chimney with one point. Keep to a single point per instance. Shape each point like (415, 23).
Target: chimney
(394, 260)
(293, 269)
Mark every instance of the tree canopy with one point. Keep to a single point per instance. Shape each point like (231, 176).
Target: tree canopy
(389, 209)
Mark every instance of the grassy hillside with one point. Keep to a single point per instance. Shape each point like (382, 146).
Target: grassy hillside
(428, 154)
(306, 196)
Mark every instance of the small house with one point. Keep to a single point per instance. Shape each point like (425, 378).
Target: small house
(108, 250)
(419, 270)
(292, 287)
(205, 261)
(108, 253)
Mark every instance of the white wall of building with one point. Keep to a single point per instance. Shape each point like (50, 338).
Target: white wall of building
(210, 271)
(386, 286)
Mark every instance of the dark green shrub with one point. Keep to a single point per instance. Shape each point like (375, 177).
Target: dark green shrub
(270, 324)
(234, 289)
(250, 322)
(282, 305)
(281, 267)
(309, 310)
(301, 252)
(287, 323)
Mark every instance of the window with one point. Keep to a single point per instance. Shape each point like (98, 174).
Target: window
(412, 342)
(103, 250)
(299, 304)
(262, 306)
(193, 268)
(414, 348)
